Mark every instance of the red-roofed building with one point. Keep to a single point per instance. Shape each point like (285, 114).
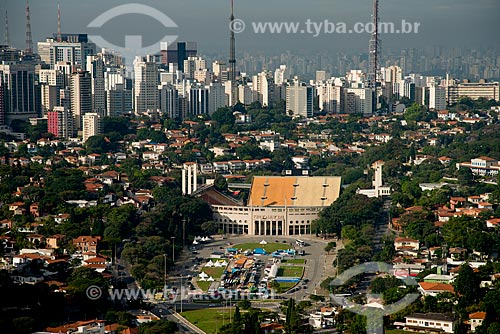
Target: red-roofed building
(433, 289)
(87, 243)
(476, 319)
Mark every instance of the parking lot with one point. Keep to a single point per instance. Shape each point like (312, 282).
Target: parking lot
(249, 274)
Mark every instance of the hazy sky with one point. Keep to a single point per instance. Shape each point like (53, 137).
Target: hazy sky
(450, 23)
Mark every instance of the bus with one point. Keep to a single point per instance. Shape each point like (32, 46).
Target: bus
(300, 243)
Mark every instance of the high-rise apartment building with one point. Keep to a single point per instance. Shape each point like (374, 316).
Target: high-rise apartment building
(216, 97)
(60, 122)
(299, 99)
(437, 97)
(91, 125)
(193, 64)
(96, 68)
(81, 96)
(169, 101)
(263, 87)
(330, 97)
(198, 100)
(361, 99)
(21, 91)
(177, 52)
(73, 49)
(145, 85)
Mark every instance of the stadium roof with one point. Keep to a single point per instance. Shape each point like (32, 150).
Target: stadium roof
(294, 190)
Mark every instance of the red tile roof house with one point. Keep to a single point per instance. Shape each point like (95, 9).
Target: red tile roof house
(87, 243)
(433, 289)
(476, 319)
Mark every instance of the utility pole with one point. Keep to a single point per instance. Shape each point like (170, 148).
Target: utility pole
(181, 292)
(183, 232)
(164, 270)
(173, 249)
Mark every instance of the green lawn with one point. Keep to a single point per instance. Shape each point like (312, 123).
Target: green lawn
(209, 320)
(215, 272)
(270, 247)
(291, 271)
(294, 261)
(204, 285)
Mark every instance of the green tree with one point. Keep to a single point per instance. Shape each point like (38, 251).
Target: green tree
(330, 246)
(467, 285)
(158, 327)
(23, 325)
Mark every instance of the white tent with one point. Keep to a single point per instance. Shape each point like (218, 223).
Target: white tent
(218, 264)
(205, 239)
(210, 279)
(209, 264)
(202, 275)
(197, 238)
(263, 242)
(223, 263)
(195, 242)
(203, 279)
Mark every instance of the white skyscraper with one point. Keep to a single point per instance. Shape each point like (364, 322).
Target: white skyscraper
(263, 87)
(146, 85)
(193, 64)
(359, 101)
(216, 97)
(281, 75)
(299, 99)
(73, 49)
(118, 91)
(330, 97)
(81, 96)
(391, 74)
(91, 125)
(51, 81)
(220, 70)
(245, 94)
(437, 97)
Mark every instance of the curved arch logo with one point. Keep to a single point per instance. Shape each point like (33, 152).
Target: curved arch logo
(133, 43)
(373, 311)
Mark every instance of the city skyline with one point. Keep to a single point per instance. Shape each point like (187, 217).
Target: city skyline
(460, 24)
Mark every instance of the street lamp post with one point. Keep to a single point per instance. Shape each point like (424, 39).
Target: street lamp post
(181, 292)
(183, 233)
(164, 270)
(173, 249)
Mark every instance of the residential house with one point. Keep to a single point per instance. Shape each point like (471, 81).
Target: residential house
(62, 218)
(35, 209)
(483, 166)
(87, 243)
(433, 289)
(476, 319)
(54, 241)
(406, 246)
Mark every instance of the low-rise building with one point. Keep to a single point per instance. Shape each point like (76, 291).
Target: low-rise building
(430, 322)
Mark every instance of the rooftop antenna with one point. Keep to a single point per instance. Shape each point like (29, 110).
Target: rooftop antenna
(59, 35)
(6, 36)
(374, 47)
(29, 40)
(232, 55)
